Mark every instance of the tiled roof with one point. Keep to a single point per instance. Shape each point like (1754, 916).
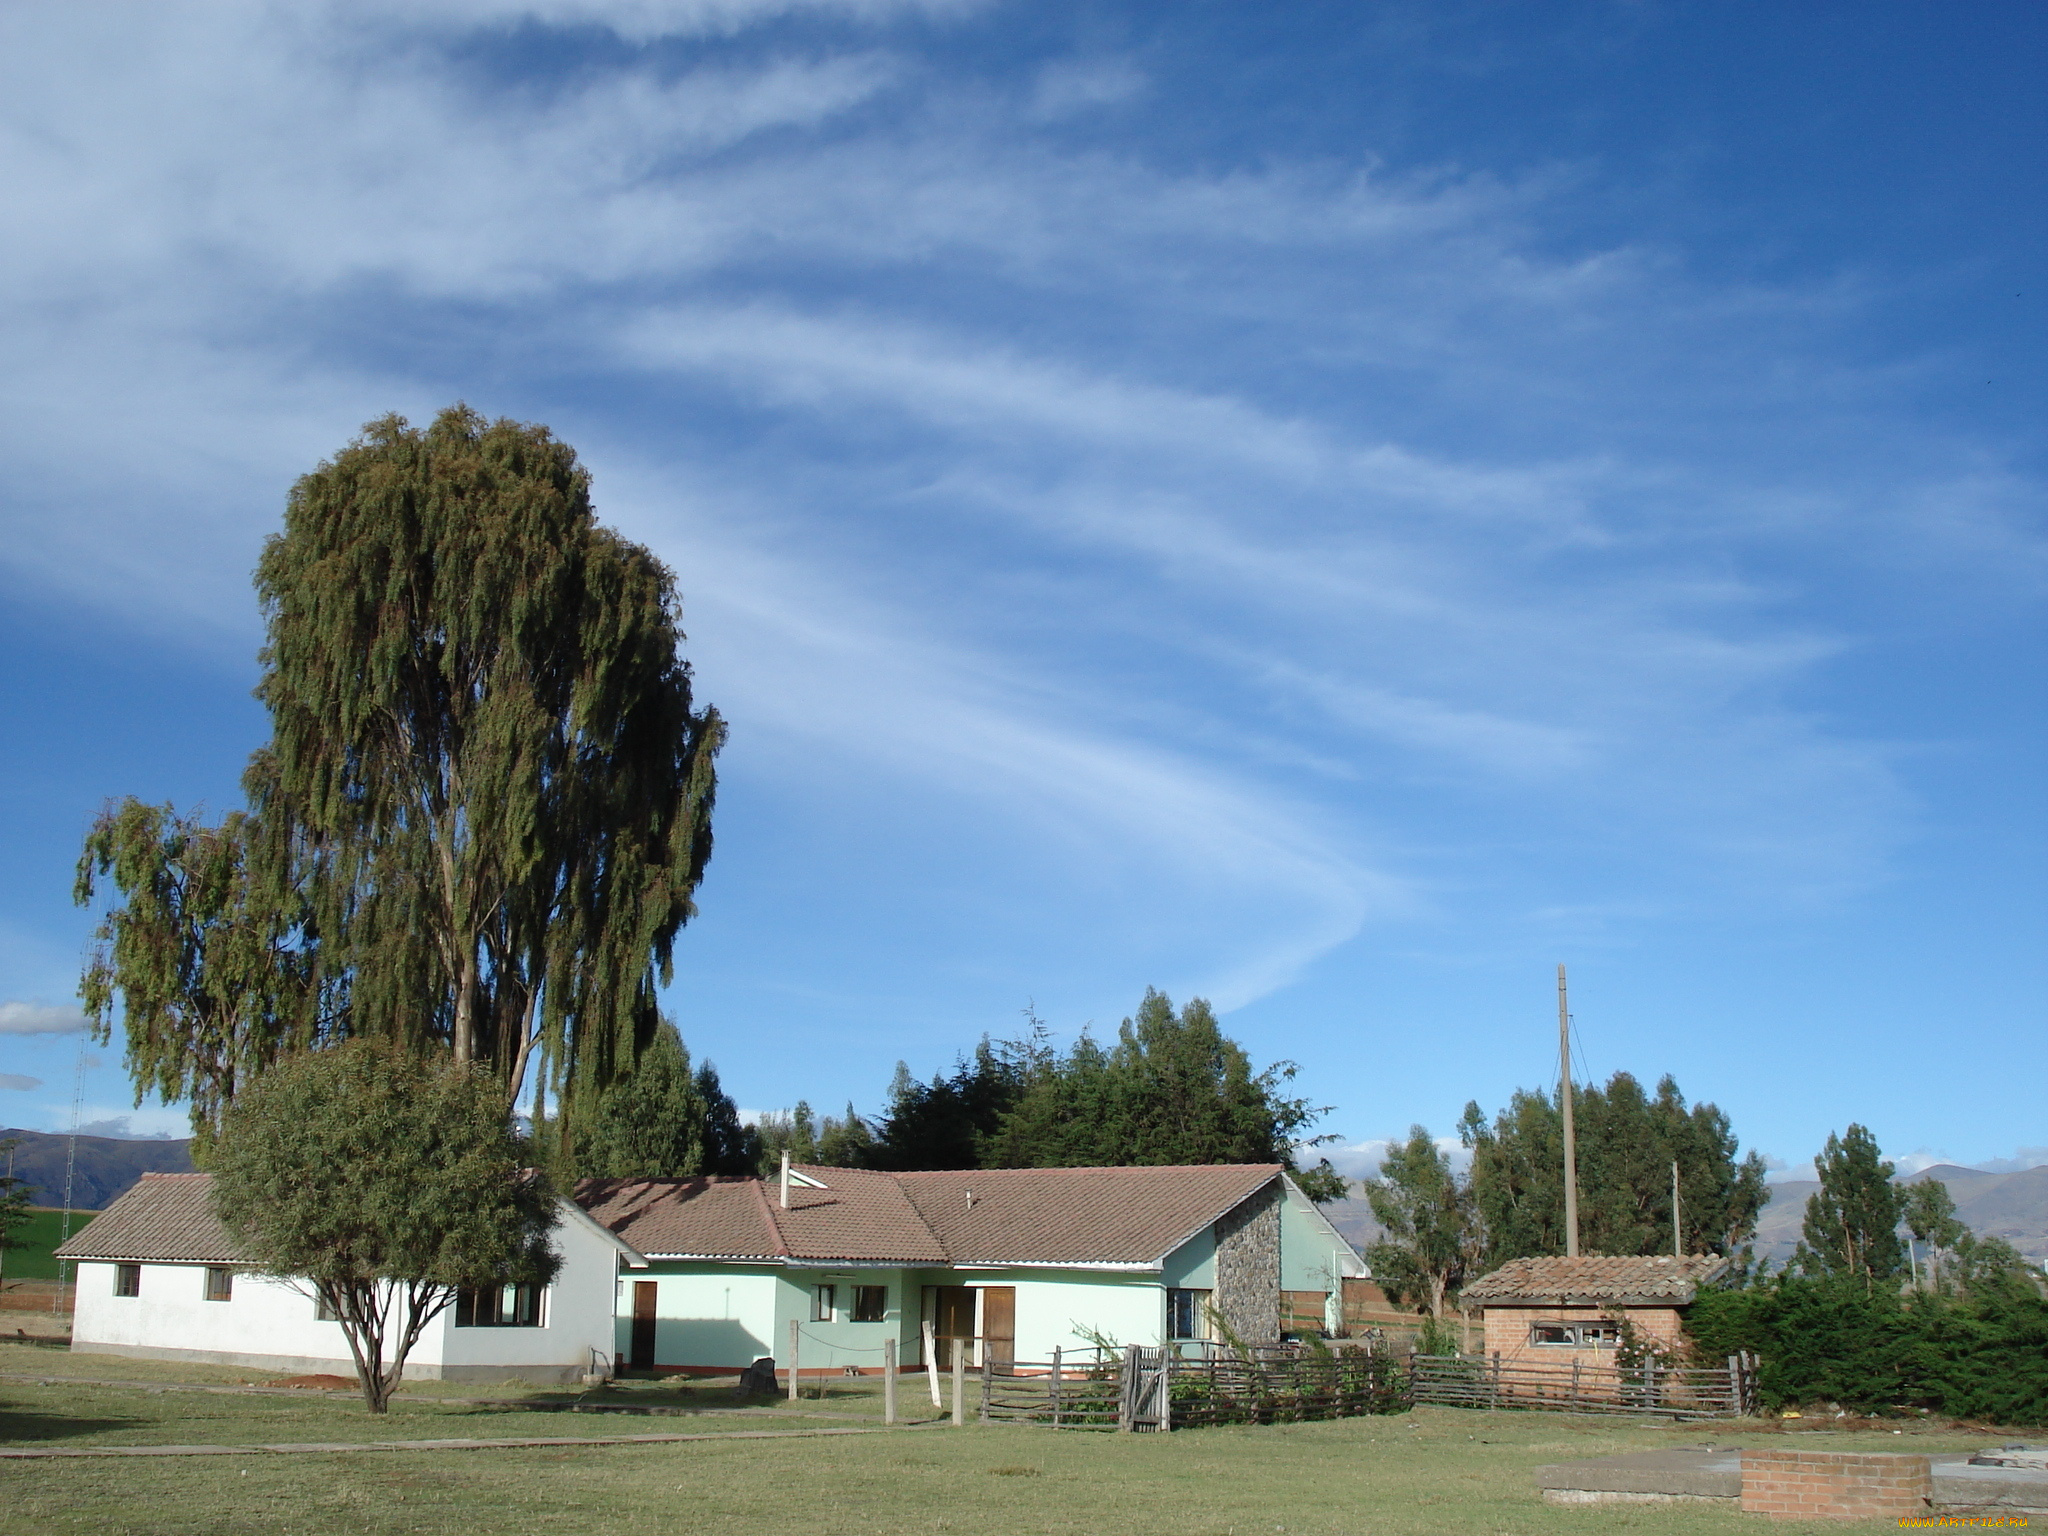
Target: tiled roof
(163, 1216)
(1077, 1215)
(1595, 1277)
(857, 1216)
(1016, 1215)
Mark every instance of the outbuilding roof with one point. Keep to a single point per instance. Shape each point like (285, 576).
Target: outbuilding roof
(1057, 1216)
(1664, 1279)
(165, 1217)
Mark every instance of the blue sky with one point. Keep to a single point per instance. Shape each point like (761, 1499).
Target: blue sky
(1333, 508)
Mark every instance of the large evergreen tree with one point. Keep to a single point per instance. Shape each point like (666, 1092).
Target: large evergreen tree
(1627, 1142)
(1852, 1220)
(661, 1121)
(1173, 1089)
(485, 807)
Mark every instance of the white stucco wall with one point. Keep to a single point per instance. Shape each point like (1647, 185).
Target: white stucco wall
(271, 1325)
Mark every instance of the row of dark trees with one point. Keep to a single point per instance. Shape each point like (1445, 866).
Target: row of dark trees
(1442, 1227)
(1173, 1088)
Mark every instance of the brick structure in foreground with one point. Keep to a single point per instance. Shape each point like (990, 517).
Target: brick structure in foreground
(1835, 1484)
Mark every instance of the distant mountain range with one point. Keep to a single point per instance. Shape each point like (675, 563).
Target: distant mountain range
(2013, 1206)
(105, 1166)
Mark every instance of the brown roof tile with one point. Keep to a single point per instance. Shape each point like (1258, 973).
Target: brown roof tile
(1017, 1215)
(1597, 1277)
(166, 1217)
(1078, 1215)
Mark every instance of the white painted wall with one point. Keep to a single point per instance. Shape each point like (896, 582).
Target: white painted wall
(271, 1325)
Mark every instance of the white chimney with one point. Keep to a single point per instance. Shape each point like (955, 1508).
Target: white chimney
(785, 1178)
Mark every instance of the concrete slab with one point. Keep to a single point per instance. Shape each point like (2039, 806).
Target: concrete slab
(2004, 1480)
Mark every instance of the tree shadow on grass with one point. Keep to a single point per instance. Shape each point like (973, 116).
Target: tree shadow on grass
(18, 1428)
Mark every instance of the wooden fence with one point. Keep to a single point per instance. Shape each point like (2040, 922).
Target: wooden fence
(1475, 1381)
(1161, 1389)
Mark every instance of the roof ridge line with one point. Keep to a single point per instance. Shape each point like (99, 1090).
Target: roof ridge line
(768, 1215)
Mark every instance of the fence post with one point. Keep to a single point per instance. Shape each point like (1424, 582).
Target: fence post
(1494, 1402)
(1055, 1387)
(1126, 1388)
(959, 1382)
(1575, 1384)
(794, 1329)
(988, 1379)
(931, 1363)
(888, 1381)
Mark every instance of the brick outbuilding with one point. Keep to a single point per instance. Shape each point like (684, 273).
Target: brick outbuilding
(1554, 1311)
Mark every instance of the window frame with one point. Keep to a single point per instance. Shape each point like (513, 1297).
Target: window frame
(220, 1283)
(1196, 1305)
(870, 1304)
(1602, 1334)
(528, 1306)
(128, 1281)
(824, 1302)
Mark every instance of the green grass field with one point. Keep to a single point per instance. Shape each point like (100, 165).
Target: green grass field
(1435, 1470)
(37, 1237)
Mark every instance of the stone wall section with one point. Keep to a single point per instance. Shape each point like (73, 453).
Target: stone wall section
(1248, 1267)
(1835, 1485)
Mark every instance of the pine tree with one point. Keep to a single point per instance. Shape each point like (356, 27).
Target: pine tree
(659, 1121)
(1852, 1220)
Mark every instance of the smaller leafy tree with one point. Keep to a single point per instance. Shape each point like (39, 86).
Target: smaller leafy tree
(1852, 1220)
(13, 1200)
(385, 1184)
(1930, 1215)
(1426, 1212)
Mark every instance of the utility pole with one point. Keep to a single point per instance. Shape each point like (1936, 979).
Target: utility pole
(1677, 1237)
(1571, 1140)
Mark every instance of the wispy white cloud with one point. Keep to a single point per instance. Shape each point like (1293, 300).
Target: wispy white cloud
(23, 1018)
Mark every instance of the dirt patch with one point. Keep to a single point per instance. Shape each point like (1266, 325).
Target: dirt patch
(317, 1383)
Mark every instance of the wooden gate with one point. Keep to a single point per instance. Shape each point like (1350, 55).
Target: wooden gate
(1147, 1399)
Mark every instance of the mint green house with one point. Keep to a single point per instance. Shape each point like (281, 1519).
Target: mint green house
(1002, 1264)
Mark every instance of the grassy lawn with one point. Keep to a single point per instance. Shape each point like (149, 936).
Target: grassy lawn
(39, 1236)
(1435, 1470)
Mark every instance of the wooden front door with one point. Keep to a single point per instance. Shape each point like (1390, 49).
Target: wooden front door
(999, 1322)
(953, 1322)
(644, 1292)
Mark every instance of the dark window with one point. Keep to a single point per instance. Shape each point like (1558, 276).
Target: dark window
(823, 1303)
(1575, 1335)
(1606, 1335)
(127, 1279)
(870, 1303)
(1554, 1334)
(500, 1306)
(220, 1283)
(1187, 1314)
(321, 1311)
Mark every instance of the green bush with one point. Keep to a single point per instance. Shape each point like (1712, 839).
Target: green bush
(1817, 1339)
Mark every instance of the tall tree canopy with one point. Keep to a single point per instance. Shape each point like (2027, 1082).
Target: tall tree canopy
(1173, 1089)
(1852, 1220)
(386, 1184)
(1627, 1142)
(661, 1121)
(485, 807)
